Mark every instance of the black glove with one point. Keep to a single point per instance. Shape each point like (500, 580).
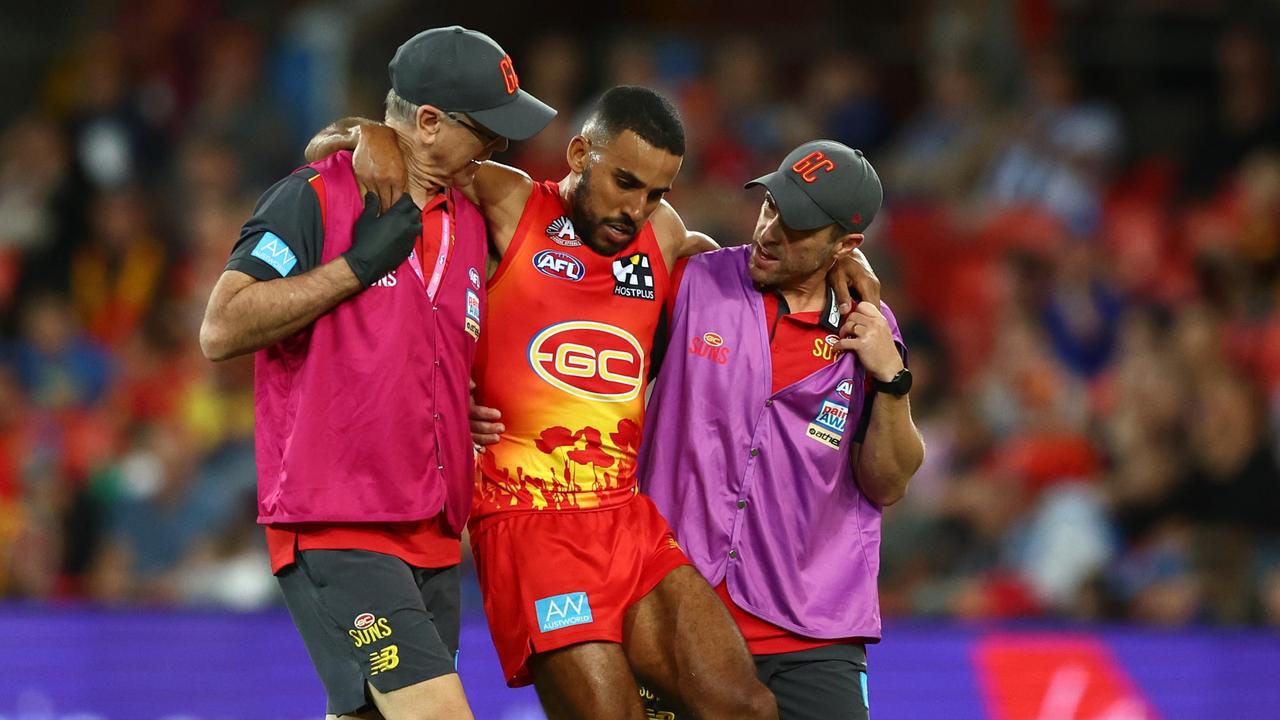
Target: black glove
(379, 243)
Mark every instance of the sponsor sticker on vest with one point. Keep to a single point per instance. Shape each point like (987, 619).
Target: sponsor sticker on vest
(274, 252)
(472, 324)
(562, 611)
(560, 265)
(474, 277)
(561, 232)
(828, 426)
(632, 277)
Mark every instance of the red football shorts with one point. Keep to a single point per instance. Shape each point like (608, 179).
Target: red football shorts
(551, 578)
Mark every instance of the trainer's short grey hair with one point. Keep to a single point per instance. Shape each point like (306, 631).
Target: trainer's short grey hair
(400, 110)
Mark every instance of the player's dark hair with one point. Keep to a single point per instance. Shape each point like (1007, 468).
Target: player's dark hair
(640, 110)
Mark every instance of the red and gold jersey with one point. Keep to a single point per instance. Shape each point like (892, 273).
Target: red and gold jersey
(566, 360)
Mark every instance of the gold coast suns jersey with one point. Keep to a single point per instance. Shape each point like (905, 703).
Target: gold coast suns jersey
(566, 359)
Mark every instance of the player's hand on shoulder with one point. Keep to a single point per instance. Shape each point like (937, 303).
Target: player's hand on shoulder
(866, 332)
(852, 275)
(381, 242)
(379, 163)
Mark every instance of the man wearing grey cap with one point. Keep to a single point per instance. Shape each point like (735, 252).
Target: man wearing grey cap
(365, 328)
(777, 497)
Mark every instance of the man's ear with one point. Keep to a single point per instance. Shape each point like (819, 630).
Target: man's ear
(577, 152)
(428, 122)
(847, 242)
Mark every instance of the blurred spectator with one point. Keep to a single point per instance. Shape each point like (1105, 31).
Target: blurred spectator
(1061, 149)
(58, 365)
(1247, 116)
(117, 276)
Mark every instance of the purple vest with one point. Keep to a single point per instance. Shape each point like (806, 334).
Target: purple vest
(757, 486)
(362, 417)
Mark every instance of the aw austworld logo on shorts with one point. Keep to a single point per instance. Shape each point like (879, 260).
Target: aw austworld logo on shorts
(562, 611)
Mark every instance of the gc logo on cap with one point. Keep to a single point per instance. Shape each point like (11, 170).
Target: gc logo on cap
(822, 183)
(461, 70)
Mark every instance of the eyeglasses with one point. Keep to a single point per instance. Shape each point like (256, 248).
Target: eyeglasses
(484, 135)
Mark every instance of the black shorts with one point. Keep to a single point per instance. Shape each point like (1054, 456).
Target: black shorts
(826, 683)
(371, 618)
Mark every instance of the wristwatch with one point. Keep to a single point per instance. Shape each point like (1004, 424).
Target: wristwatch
(900, 384)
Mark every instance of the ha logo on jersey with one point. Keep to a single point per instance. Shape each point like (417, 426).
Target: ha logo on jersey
(828, 427)
(561, 232)
(632, 277)
(556, 264)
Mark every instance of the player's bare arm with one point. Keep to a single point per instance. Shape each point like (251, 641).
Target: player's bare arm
(499, 190)
(893, 449)
(851, 274)
(245, 314)
(379, 165)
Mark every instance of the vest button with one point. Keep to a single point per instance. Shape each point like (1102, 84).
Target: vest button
(742, 504)
(755, 452)
(733, 554)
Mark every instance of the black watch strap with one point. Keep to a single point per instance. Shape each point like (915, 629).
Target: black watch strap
(900, 384)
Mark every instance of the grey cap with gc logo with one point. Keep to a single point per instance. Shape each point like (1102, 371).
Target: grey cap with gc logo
(822, 183)
(461, 70)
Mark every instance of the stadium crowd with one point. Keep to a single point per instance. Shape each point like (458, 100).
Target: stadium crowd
(1083, 250)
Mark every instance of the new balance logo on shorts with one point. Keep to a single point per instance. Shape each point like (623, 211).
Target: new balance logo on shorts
(632, 277)
(562, 611)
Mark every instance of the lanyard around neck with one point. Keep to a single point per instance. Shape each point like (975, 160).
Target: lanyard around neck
(442, 257)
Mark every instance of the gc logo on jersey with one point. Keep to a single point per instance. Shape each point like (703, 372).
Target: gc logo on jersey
(633, 277)
(556, 264)
(590, 360)
(561, 232)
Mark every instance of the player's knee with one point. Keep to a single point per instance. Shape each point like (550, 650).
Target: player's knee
(747, 701)
(759, 704)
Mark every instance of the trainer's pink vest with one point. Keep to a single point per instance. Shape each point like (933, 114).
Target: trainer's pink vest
(362, 417)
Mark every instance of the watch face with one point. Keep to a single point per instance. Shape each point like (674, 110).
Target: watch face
(902, 383)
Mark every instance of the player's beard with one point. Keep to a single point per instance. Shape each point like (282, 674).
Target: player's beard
(588, 226)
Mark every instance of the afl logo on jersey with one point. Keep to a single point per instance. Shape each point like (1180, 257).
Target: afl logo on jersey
(559, 265)
(590, 360)
(845, 389)
(561, 232)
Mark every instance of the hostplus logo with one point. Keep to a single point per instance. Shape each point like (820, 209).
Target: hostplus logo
(633, 277)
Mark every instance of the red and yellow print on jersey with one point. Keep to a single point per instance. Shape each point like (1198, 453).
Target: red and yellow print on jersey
(566, 361)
